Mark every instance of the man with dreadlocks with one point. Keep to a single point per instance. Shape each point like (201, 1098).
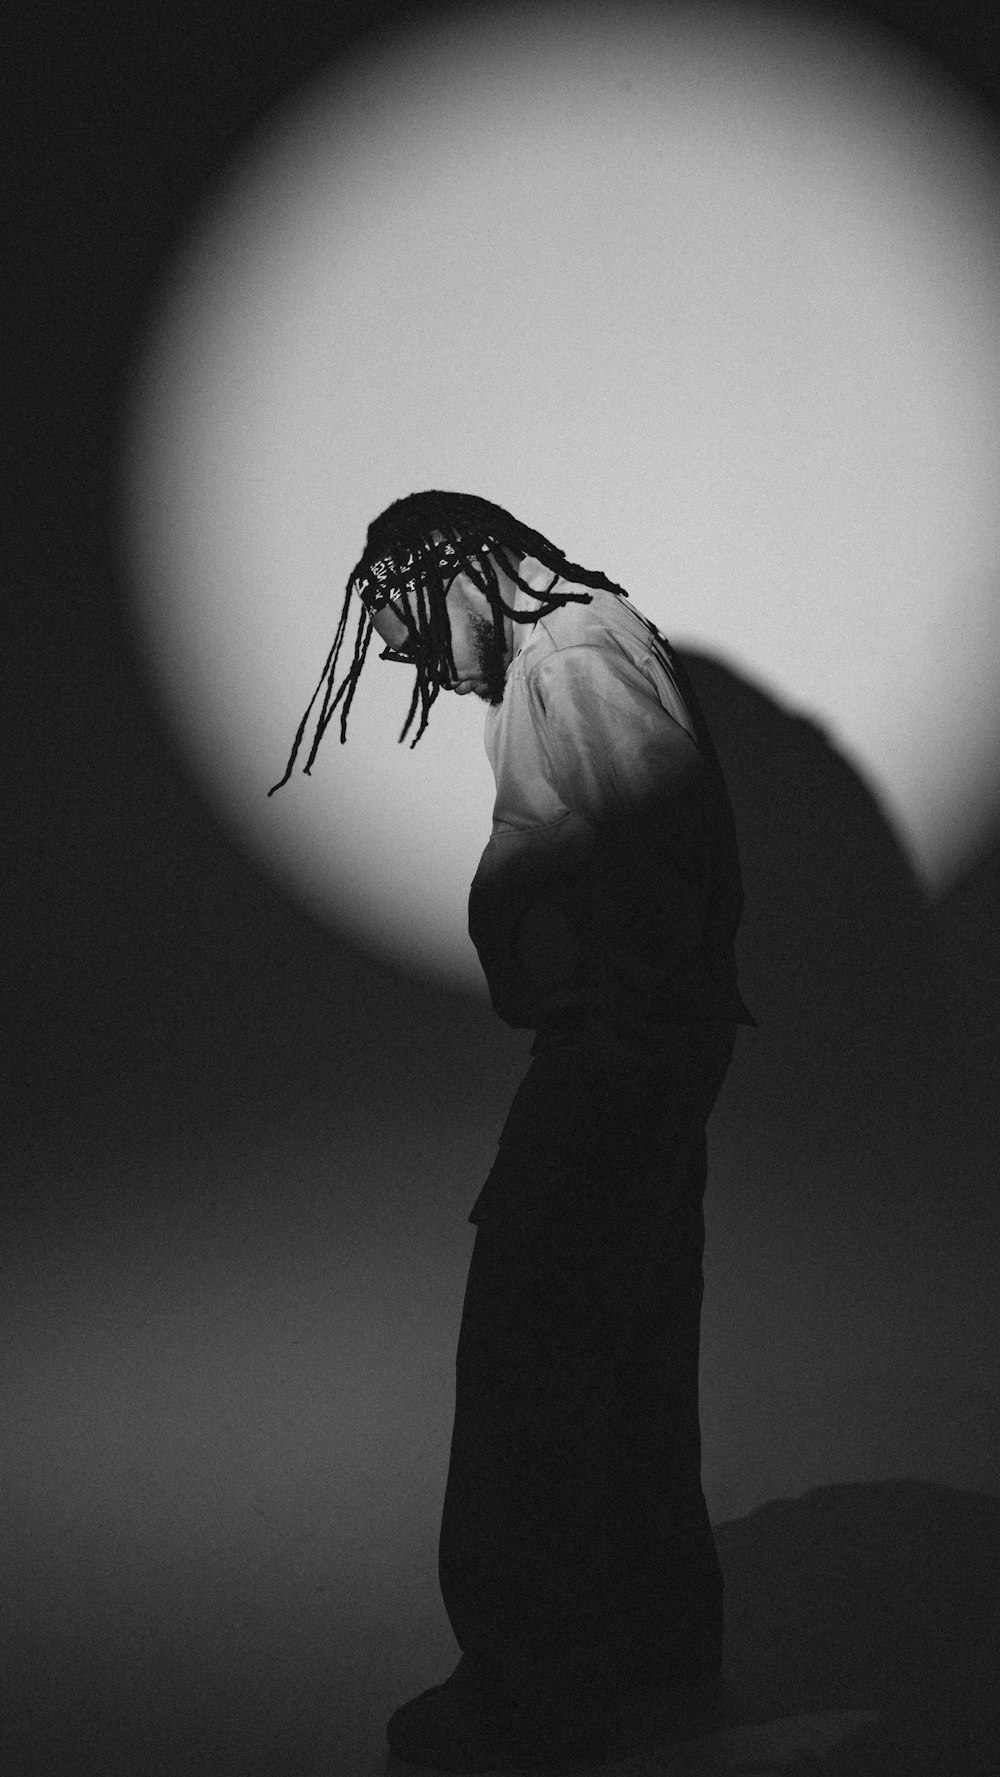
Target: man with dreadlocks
(576, 1556)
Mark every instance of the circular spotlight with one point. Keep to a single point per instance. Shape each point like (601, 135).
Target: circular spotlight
(711, 299)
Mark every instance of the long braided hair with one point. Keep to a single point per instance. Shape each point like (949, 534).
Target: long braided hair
(413, 552)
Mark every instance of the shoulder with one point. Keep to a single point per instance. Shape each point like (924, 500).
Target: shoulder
(605, 652)
(602, 623)
(603, 640)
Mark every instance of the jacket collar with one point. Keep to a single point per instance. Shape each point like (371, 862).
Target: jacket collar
(539, 578)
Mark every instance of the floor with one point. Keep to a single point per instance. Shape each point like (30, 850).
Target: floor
(863, 1624)
(227, 1438)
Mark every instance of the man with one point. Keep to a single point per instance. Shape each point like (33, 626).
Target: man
(576, 1556)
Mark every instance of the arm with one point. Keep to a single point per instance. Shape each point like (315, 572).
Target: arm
(627, 769)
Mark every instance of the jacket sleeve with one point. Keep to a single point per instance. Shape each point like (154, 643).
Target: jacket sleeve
(529, 914)
(623, 765)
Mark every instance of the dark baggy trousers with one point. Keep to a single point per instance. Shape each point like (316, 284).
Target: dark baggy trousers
(574, 1533)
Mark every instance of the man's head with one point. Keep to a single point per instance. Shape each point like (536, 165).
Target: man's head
(437, 583)
(480, 637)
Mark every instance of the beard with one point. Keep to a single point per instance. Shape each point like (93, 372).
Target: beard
(491, 657)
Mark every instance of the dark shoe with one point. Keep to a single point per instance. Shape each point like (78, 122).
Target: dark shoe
(456, 1726)
(467, 1725)
(568, 1730)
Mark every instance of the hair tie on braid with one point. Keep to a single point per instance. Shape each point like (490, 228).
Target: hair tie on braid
(414, 550)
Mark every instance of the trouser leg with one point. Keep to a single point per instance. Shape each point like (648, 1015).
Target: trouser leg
(574, 1527)
(668, 1581)
(524, 1556)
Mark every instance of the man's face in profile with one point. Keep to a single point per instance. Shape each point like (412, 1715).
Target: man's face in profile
(481, 655)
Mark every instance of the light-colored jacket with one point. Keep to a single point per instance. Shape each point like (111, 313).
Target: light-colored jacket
(609, 894)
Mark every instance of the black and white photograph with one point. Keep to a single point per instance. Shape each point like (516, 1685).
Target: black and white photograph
(501, 982)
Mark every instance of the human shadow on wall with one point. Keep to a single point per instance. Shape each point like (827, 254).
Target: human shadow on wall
(878, 1018)
(877, 1007)
(872, 1609)
(878, 1033)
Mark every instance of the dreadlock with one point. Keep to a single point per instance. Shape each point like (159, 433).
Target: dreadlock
(413, 552)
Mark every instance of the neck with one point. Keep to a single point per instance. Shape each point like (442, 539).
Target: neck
(508, 591)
